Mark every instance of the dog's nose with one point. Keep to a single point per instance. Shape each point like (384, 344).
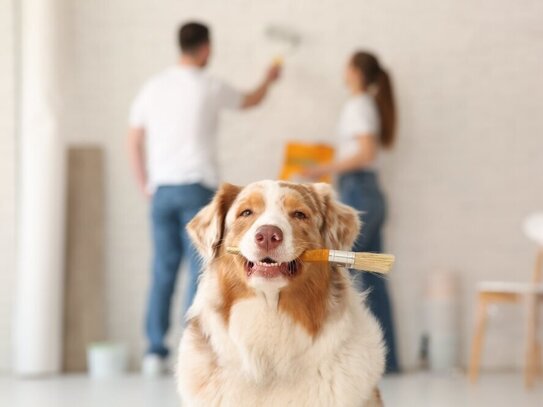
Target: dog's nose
(268, 237)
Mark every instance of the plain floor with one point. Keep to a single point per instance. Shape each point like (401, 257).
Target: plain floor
(417, 390)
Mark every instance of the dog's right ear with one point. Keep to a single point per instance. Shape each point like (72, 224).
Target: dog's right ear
(206, 229)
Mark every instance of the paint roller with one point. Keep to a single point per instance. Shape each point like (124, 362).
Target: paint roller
(286, 38)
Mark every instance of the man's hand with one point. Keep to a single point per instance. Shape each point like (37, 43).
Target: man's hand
(256, 96)
(274, 72)
(145, 192)
(136, 153)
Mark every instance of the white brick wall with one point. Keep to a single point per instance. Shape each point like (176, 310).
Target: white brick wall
(7, 178)
(463, 175)
(466, 170)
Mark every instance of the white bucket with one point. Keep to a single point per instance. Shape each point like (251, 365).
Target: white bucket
(441, 312)
(106, 360)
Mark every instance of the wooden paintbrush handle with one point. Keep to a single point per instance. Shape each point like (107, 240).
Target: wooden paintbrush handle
(316, 255)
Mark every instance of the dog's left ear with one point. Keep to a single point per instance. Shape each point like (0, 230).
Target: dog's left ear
(341, 223)
(206, 229)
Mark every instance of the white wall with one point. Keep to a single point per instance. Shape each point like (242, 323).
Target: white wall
(468, 163)
(7, 178)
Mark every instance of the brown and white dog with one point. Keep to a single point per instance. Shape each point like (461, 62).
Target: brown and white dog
(266, 329)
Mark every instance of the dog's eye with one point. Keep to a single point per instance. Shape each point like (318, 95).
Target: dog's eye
(245, 213)
(299, 215)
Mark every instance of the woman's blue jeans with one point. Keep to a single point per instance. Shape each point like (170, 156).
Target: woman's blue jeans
(172, 209)
(360, 190)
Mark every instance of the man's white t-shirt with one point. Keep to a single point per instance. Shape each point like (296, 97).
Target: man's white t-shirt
(359, 117)
(179, 109)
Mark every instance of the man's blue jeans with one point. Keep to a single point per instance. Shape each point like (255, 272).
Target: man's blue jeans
(172, 209)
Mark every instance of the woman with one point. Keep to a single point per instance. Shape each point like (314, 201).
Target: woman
(367, 124)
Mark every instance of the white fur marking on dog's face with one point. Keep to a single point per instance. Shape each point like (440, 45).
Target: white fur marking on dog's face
(274, 215)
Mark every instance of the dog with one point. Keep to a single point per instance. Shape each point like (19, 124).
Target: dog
(266, 329)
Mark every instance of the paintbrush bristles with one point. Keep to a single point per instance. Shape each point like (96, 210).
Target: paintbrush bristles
(374, 262)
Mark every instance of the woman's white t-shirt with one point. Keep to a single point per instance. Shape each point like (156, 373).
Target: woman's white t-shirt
(359, 117)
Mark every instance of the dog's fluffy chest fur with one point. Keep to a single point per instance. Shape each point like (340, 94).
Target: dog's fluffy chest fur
(269, 345)
(263, 357)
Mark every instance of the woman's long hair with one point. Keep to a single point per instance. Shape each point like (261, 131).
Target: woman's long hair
(375, 76)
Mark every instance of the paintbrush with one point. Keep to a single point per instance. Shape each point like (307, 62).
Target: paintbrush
(374, 262)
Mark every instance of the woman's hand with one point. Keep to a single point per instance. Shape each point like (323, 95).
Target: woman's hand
(315, 172)
(361, 157)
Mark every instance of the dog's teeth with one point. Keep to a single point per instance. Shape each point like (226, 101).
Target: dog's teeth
(266, 264)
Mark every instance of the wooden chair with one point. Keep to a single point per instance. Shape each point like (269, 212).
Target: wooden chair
(529, 294)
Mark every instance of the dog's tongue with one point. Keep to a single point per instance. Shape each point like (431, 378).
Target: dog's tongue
(268, 270)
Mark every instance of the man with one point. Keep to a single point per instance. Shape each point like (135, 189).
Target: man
(172, 147)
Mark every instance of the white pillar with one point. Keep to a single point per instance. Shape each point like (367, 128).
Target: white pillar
(38, 300)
